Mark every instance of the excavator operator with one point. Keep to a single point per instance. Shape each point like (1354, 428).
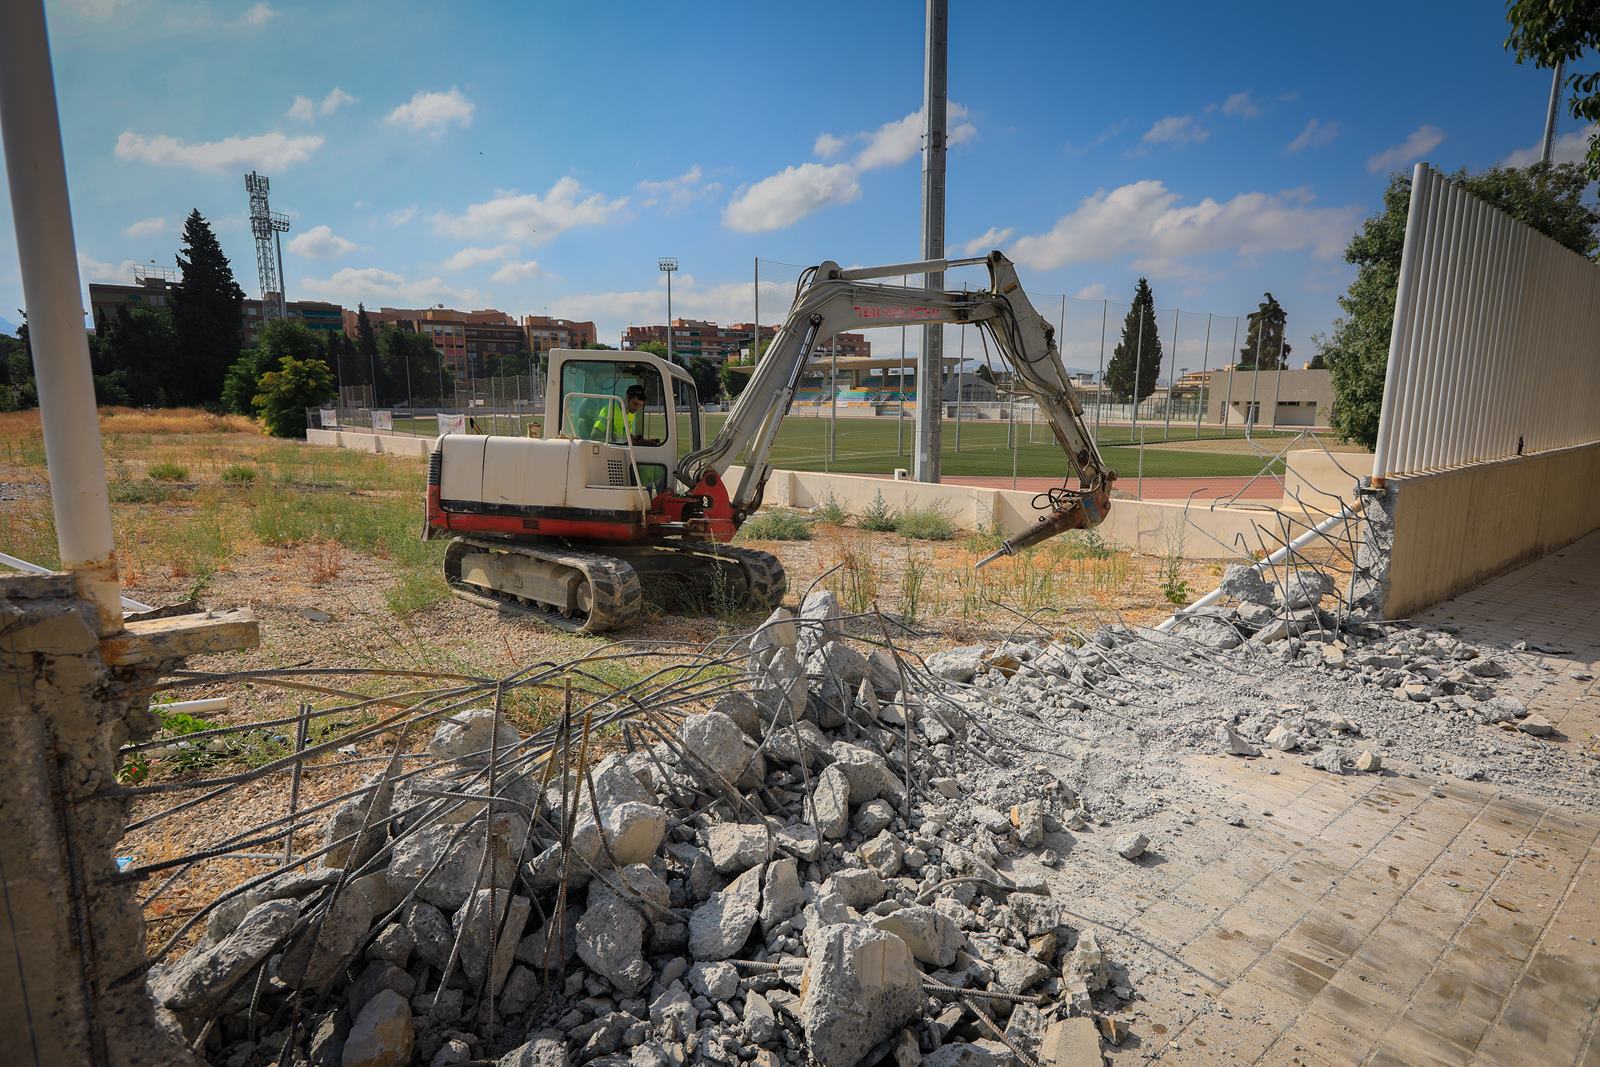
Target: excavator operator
(624, 426)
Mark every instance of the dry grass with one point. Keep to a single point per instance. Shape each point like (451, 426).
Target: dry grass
(17, 424)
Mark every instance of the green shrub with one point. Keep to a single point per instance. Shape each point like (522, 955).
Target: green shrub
(143, 492)
(239, 474)
(926, 524)
(831, 511)
(878, 517)
(777, 526)
(169, 472)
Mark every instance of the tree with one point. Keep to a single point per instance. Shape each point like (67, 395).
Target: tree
(707, 380)
(1139, 351)
(287, 392)
(408, 364)
(1552, 31)
(17, 389)
(133, 356)
(206, 308)
(732, 379)
(279, 338)
(1264, 343)
(655, 348)
(1548, 198)
(361, 369)
(597, 346)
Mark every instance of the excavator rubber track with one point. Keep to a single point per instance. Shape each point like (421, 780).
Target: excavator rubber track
(721, 576)
(607, 593)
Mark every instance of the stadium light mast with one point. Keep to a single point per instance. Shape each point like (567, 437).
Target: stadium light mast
(667, 265)
(266, 225)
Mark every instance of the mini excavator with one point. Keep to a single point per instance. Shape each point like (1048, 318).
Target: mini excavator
(621, 485)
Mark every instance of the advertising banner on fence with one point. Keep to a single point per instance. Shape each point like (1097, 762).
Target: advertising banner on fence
(328, 417)
(452, 424)
(383, 420)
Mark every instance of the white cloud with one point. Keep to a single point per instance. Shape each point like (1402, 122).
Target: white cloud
(1316, 134)
(92, 10)
(431, 113)
(320, 242)
(377, 287)
(1568, 148)
(1145, 220)
(467, 258)
(986, 241)
(1423, 139)
(403, 216)
(306, 109)
(677, 192)
(1242, 104)
(267, 151)
(529, 217)
(94, 270)
(788, 196)
(782, 199)
(827, 145)
(517, 272)
(146, 227)
(1092, 292)
(1175, 129)
(895, 142)
(258, 15)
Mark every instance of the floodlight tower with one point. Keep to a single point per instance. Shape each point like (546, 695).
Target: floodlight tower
(266, 224)
(668, 265)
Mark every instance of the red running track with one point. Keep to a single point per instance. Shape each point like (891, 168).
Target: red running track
(1264, 487)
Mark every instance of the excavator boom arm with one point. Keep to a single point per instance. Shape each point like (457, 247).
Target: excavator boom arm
(832, 300)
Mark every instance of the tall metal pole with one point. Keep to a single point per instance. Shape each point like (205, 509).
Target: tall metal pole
(42, 215)
(1205, 383)
(1100, 375)
(936, 49)
(1277, 383)
(1227, 403)
(667, 265)
(1172, 376)
(1550, 116)
(833, 402)
(900, 418)
(755, 289)
(961, 380)
(283, 283)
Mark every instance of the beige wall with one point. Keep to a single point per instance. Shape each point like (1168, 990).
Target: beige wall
(1315, 480)
(1297, 387)
(1455, 528)
(1146, 526)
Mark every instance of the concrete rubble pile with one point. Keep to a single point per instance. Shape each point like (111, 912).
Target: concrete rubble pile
(796, 876)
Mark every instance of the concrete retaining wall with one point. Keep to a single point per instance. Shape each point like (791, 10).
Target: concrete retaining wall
(1453, 529)
(1146, 526)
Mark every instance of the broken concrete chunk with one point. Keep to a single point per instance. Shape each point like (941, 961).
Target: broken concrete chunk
(1071, 1043)
(829, 805)
(203, 978)
(964, 1054)
(1088, 963)
(860, 887)
(874, 817)
(381, 1035)
(932, 936)
(546, 1050)
(760, 1022)
(859, 987)
(1305, 589)
(821, 621)
(1331, 759)
(720, 749)
(1283, 739)
(735, 847)
(1247, 584)
(884, 854)
(1369, 761)
(957, 664)
(1027, 819)
(719, 928)
(473, 924)
(1233, 744)
(1537, 725)
(718, 981)
(781, 894)
(467, 736)
(610, 936)
(1131, 846)
(870, 777)
(1016, 973)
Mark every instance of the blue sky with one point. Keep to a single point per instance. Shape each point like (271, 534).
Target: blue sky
(542, 156)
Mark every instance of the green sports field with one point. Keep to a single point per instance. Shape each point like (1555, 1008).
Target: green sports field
(878, 446)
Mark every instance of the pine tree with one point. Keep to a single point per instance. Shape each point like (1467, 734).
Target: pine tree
(366, 361)
(1139, 351)
(206, 307)
(1264, 343)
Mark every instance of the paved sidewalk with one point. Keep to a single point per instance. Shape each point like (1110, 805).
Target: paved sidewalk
(1386, 920)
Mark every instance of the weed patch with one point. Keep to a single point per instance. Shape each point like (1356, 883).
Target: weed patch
(168, 472)
(777, 525)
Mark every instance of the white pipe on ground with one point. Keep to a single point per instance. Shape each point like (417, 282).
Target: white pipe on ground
(42, 216)
(1277, 557)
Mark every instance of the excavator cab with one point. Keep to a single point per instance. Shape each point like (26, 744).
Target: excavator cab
(630, 400)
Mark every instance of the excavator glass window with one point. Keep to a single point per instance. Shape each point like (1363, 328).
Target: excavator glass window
(686, 402)
(588, 412)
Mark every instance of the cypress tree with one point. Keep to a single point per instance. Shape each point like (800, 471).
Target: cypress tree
(1133, 354)
(1266, 329)
(206, 309)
